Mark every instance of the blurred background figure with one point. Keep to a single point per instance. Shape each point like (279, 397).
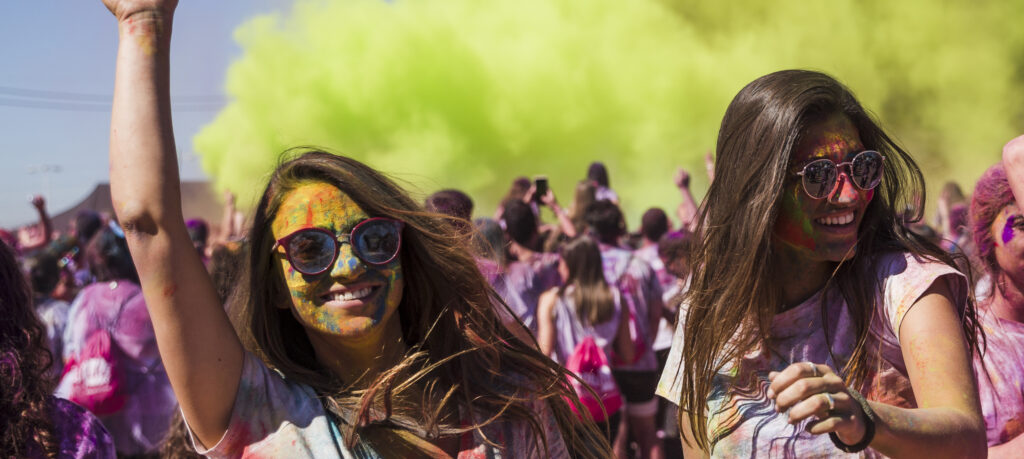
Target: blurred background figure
(114, 305)
(997, 226)
(34, 423)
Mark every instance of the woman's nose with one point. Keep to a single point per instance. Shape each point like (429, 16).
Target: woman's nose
(348, 265)
(845, 192)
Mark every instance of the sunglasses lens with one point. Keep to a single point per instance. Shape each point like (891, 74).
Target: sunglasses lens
(311, 252)
(867, 170)
(819, 178)
(377, 241)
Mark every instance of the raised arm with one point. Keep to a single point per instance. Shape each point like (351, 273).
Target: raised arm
(199, 348)
(564, 222)
(39, 202)
(686, 212)
(1013, 161)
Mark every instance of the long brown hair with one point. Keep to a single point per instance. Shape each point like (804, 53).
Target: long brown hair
(460, 354)
(592, 298)
(25, 379)
(735, 288)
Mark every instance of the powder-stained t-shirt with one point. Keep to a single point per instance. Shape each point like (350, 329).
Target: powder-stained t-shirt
(1000, 374)
(640, 291)
(273, 417)
(798, 335)
(522, 283)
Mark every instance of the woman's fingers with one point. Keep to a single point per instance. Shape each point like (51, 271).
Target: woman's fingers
(820, 406)
(793, 373)
(806, 388)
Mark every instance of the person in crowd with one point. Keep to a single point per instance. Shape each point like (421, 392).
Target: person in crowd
(44, 275)
(34, 423)
(673, 250)
(816, 323)
(571, 223)
(997, 227)
(597, 174)
(516, 192)
(114, 304)
(584, 305)
(453, 203)
(364, 327)
(951, 228)
(687, 209)
(529, 271)
(643, 306)
(199, 233)
(35, 237)
(489, 243)
(653, 225)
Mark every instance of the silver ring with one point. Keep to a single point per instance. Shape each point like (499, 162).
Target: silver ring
(814, 369)
(831, 402)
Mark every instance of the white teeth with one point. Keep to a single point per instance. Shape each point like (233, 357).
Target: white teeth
(836, 220)
(352, 295)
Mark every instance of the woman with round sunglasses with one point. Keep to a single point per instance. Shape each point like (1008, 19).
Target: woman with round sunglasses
(362, 326)
(816, 324)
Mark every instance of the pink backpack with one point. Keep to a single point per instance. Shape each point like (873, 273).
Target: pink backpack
(624, 285)
(588, 362)
(96, 374)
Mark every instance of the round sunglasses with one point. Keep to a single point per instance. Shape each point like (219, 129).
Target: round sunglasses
(821, 176)
(313, 251)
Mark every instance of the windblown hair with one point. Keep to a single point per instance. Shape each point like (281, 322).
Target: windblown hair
(461, 358)
(592, 297)
(25, 381)
(736, 284)
(991, 194)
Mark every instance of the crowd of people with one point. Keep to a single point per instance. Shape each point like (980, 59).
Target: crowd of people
(803, 309)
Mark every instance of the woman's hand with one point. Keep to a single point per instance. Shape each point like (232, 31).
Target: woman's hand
(807, 390)
(124, 9)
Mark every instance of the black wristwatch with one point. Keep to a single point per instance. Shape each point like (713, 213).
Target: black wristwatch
(869, 427)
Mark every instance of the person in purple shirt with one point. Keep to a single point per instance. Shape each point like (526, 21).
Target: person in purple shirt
(115, 303)
(33, 422)
(997, 227)
(642, 303)
(531, 272)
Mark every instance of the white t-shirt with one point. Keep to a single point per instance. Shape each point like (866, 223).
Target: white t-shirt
(798, 336)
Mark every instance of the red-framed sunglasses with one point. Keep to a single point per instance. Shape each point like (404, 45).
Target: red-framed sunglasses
(313, 251)
(821, 176)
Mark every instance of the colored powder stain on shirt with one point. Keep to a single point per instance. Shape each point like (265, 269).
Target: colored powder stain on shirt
(1008, 229)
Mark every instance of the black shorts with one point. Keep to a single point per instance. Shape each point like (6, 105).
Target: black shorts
(636, 386)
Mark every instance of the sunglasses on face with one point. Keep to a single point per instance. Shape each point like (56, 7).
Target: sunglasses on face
(313, 251)
(821, 176)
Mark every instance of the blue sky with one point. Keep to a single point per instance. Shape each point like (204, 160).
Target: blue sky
(56, 56)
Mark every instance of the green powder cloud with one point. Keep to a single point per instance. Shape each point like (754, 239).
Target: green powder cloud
(469, 94)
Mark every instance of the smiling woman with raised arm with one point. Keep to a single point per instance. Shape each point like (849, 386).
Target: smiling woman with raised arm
(816, 323)
(364, 327)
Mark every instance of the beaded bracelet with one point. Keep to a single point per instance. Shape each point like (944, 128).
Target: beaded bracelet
(869, 427)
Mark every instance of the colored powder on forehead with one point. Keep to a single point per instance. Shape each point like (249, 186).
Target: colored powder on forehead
(1008, 228)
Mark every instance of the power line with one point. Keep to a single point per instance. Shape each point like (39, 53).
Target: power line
(62, 96)
(68, 106)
